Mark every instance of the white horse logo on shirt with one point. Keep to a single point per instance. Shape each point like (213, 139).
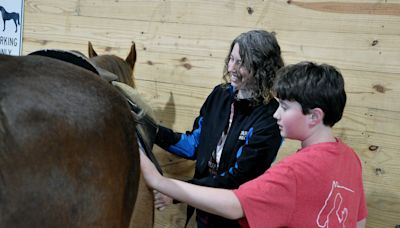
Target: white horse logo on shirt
(334, 206)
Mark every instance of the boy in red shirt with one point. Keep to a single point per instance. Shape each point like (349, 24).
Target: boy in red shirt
(318, 186)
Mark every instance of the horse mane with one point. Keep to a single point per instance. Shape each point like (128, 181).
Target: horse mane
(68, 154)
(134, 96)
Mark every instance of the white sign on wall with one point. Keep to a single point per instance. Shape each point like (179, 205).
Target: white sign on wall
(11, 26)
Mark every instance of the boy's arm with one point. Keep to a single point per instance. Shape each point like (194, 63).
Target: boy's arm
(361, 223)
(213, 200)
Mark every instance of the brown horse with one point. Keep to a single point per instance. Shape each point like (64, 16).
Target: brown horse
(143, 215)
(68, 154)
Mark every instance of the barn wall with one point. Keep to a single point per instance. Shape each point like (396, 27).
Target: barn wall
(182, 44)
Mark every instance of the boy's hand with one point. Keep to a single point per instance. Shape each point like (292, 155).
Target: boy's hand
(149, 171)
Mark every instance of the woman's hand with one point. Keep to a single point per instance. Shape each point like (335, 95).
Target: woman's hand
(161, 201)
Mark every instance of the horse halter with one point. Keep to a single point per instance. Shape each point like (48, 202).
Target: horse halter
(146, 129)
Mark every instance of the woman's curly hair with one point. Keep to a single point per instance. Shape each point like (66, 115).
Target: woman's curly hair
(261, 56)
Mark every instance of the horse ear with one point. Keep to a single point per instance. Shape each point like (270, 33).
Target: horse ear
(91, 51)
(131, 58)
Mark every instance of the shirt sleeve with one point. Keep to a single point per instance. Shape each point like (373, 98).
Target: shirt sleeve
(362, 209)
(183, 145)
(269, 200)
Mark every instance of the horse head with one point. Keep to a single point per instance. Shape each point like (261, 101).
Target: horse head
(116, 65)
(69, 156)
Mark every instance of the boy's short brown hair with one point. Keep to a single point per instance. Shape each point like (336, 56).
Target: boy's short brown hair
(313, 86)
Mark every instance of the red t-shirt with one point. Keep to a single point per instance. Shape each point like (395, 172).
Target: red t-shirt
(319, 186)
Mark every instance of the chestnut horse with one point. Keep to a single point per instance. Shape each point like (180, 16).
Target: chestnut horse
(143, 215)
(68, 154)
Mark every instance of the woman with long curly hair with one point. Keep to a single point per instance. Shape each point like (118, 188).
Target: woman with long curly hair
(235, 137)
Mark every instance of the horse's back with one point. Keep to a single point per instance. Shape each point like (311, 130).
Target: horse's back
(68, 155)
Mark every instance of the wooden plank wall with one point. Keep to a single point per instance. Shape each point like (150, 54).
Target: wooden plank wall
(182, 44)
